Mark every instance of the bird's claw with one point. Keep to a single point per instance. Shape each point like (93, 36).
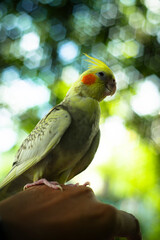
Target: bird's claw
(52, 184)
(77, 184)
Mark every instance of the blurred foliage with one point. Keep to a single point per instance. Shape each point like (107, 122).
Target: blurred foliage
(41, 46)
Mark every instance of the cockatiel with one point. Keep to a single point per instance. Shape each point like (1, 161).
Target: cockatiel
(65, 141)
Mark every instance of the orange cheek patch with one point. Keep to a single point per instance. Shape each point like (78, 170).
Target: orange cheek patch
(89, 79)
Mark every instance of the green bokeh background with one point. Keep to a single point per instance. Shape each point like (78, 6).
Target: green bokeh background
(126, 35)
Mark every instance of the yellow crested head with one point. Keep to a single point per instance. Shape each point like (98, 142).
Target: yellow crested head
(96, 64)
(97, 82)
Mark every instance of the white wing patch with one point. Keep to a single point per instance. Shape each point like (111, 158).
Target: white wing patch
(44, 137)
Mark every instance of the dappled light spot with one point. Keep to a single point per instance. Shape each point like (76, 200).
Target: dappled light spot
(30, 41)
(58, 32)
(8, 139)
(68, 51)
(128, 2)
(24, 22)
(131, 48)
(8, 135)
(147, 99)
(69, 74)
(23, 94)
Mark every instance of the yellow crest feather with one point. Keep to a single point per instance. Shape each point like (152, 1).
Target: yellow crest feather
(95, 63)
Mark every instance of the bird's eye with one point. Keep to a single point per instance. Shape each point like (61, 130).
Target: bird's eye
(101, 74)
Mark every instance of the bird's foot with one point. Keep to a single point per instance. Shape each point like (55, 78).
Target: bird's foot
(52, 184)
(77, 184)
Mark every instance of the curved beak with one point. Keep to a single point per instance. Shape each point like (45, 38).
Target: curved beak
(111, 86)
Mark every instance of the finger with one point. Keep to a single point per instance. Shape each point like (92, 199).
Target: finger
(127, 226)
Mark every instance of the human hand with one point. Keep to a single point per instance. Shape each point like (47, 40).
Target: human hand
(74, 213)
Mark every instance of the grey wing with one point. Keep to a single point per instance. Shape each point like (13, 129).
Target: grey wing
(45, 136)
(87, 159)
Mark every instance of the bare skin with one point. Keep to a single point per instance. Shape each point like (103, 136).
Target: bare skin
(74, 213)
